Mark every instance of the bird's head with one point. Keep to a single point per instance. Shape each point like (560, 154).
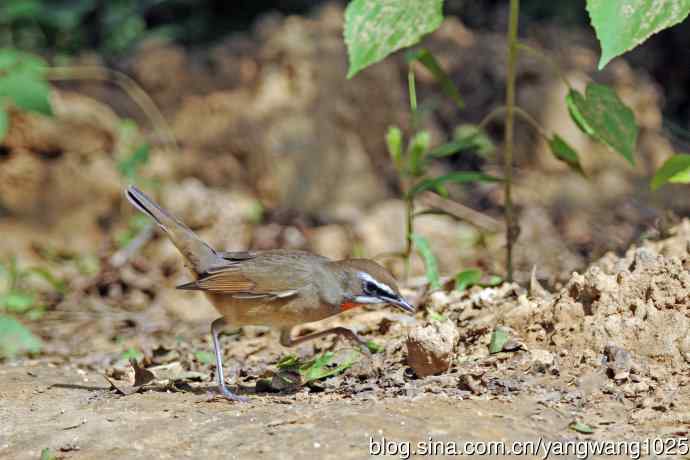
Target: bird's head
(367, 282)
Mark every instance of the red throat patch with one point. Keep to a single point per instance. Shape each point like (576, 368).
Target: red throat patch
(349, 305)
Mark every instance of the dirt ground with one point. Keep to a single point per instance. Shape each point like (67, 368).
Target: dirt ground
(78, 417)
(585, 354)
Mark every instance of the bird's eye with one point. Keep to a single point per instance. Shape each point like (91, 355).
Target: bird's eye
(370, 288)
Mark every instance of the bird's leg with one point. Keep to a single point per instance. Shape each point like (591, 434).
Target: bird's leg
(287, 341)
(217, 326)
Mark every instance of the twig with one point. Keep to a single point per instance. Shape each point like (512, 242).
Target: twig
(462, 212)
(509, 132)
(128, 85)
(548, 60)
(500, 110)
(123, 255)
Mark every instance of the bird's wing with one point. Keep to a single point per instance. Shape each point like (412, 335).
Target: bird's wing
(252, 275)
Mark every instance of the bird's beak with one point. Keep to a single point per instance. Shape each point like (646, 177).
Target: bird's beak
(402, 304)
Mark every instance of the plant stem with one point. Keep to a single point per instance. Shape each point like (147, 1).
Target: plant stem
(409, 230)
(409, 201)
(548, 60)
(509, 132)
(500, 110)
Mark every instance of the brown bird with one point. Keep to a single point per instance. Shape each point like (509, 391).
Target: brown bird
(279, 288)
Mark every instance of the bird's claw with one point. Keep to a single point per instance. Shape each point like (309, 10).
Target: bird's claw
(229, 395)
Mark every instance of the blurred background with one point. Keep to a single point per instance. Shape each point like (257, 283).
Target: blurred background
(273, 147)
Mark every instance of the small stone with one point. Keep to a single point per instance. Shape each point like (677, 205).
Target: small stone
(619, 362)
(544, 361)
(430, 348)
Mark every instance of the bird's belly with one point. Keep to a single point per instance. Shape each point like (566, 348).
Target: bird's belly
(275, 313)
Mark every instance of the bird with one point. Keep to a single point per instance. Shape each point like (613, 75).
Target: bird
(280, 288)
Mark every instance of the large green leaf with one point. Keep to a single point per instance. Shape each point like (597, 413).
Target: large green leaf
(430, 262)
(27, 91)
(376, 28)
(424, 57)
(675, 170)
(15, 338)
(604, 117)
(458, 177)
(565, 153)
(621, 25)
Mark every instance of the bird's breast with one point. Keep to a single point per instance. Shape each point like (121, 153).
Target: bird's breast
(287, 312)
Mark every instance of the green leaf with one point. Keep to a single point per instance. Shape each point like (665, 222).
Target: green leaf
(424, 57)
(675, 170)
(132, 353)
(47, 454)
(435, 316)
(376, 28)
(450, 148)
(288, 361)
(12, 61)
(494, 280)
(15, 338)
(480, 140)
(56, 283)
(457, 177)
(418, 147)
(467, 278)
(581, 428)
(318, 369)
(499, 337)
(4, 123)
(26, 91)
(430, 262)
(565, 153)
(17, 301)
(135, 225)
(129, 166)
(394, 142)
(603, 116)
(624, 24)
(467, 137)
(374, 347)
(204, 357)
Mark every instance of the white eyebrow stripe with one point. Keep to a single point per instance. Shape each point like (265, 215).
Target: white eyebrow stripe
(385, 288)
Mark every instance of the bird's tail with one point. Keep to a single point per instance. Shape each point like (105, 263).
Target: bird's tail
(199, 254)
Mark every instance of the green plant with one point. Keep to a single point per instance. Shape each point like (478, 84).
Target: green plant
(322, 366)
(412, 160)
(22, 85)
(18, 298)
(376, 28)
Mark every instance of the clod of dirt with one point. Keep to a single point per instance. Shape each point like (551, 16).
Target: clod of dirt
(544, 361)
(430, 348)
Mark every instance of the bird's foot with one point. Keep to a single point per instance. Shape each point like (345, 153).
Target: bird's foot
(223, 392)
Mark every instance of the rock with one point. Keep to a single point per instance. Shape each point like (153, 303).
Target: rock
(619, 362)
(430, 348)
(544, 361)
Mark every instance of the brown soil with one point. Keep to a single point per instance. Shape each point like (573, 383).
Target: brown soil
(608, 350)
